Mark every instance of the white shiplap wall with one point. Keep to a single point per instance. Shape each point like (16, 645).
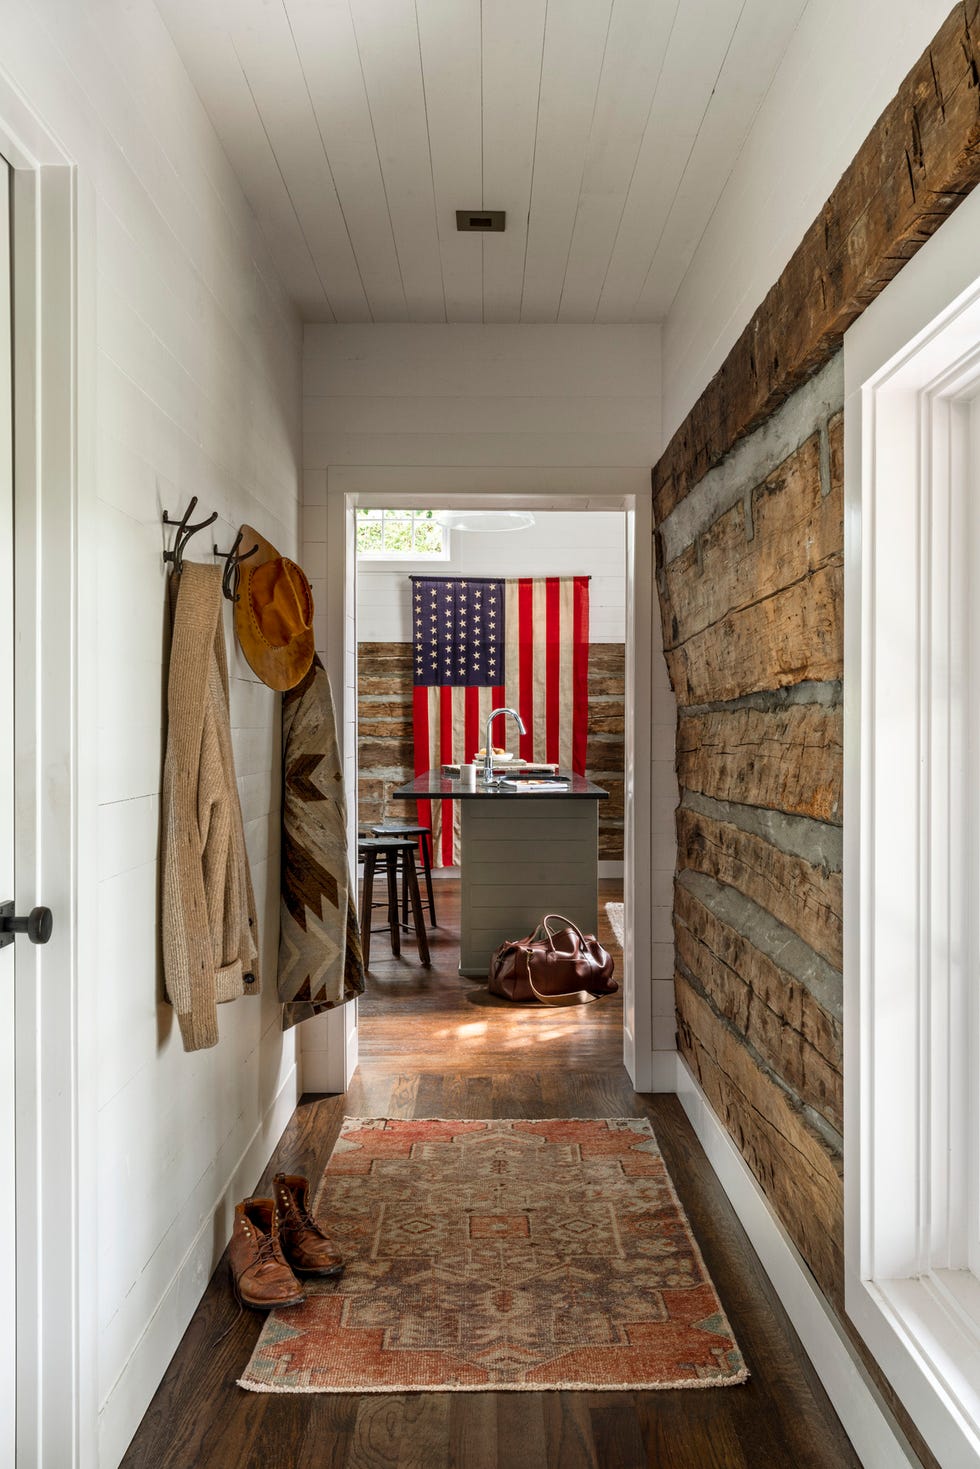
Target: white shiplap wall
(560, 543)
(529, 410)
(197, 390)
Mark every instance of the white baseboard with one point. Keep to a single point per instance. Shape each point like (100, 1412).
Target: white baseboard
(661, 1074)
(877, 1438)
(132, 1391)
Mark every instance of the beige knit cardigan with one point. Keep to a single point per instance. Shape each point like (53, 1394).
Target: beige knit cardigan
(210, 933)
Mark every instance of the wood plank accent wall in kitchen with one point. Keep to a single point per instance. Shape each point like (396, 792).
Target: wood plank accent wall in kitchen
(384, 734)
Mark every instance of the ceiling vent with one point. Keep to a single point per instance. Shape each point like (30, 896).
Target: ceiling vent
(480, 219)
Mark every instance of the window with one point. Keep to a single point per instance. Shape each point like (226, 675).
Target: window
(912, 834)
(401, 535)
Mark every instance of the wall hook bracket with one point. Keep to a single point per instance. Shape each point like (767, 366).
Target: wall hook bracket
(233, 560)
(184, 532)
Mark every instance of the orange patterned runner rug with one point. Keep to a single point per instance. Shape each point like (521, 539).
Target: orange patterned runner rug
(508, 1255)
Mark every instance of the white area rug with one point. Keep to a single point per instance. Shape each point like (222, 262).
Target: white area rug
(617, 917)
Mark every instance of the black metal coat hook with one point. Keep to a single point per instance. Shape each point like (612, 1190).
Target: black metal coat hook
(184, 532)
(233, 560)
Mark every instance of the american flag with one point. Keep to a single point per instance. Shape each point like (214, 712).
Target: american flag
(479, 644)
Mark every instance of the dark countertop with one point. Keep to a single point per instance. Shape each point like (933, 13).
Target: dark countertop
(434, 784)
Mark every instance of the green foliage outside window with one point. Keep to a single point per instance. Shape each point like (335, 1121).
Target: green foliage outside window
(404, 534)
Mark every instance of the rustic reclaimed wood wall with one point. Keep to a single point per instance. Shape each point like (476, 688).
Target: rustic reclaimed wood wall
(384, 734)
(749, 536)
(920, 160)
(751, 597)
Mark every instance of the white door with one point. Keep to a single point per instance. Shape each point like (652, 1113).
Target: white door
(8, 953)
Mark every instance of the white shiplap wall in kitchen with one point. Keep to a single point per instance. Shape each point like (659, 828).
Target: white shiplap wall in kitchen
(605, 128)
(560, 543)
(197, 390)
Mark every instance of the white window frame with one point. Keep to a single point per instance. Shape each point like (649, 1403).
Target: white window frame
(911, 827)
(386, 514)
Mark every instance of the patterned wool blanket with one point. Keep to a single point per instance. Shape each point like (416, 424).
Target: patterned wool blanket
(320, 963)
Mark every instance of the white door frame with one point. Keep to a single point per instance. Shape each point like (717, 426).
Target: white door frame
(911, 814)
(447, 489)
(53, 313)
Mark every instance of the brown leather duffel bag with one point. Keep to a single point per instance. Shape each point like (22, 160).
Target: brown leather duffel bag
(565, 967)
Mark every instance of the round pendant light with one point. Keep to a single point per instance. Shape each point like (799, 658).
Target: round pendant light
(485, 520)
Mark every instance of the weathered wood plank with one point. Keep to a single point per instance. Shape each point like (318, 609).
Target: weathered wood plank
(385, 726)
(376, 755)
(607, 658)
(804, 897)
(798, 1172)
(607, 716)
(775, 1012)
(788, 529)
(400, 653)
(788, 638)
(786, 759)
(916, 165)
(604, 753)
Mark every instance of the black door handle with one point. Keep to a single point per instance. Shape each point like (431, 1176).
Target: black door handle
(37, 925)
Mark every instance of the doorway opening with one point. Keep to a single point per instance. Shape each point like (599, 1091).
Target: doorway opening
(369, 598)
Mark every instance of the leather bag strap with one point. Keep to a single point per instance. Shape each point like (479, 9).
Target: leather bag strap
(573, 997)
(560, 919)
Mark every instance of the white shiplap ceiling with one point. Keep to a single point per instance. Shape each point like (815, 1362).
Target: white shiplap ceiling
(605, 128)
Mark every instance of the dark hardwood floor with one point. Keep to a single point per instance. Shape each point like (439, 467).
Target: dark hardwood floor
(432, 1045)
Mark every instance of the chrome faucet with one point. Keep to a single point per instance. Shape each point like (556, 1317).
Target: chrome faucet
(489, 779)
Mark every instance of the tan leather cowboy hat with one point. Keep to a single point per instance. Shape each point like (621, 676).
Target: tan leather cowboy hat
(274, 614)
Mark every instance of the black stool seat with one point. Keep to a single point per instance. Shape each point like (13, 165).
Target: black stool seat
(412, 829)
(390, 849)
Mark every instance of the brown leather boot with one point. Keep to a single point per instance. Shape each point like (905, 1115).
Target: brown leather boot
(262, 1277)
(304, 1243)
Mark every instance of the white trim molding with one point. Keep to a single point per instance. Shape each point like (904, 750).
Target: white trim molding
(526, 489)
(911, 832)
(867, 1421)
(54, 491)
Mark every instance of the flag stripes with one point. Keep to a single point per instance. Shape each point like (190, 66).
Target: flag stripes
(546, 666)
(544, 629)
(448, 724)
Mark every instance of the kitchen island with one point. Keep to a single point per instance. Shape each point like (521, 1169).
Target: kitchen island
(523, 853)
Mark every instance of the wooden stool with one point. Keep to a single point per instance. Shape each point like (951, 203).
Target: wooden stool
(369, 849)
(424, 833)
